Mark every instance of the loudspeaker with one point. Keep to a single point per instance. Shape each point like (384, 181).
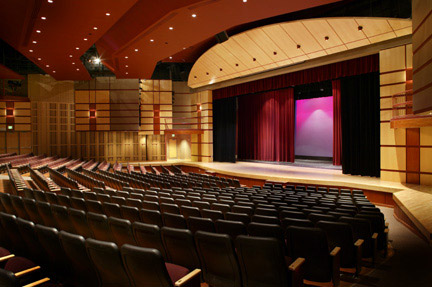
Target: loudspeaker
(222, 37)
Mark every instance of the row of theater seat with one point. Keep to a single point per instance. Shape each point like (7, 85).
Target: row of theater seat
(125, 177)
(215, 253)
(64, 181)
(108, 180)
(43, 182)
(98, 225)
(84, 180)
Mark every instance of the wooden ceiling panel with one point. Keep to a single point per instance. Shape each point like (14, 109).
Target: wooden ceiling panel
(283, 38)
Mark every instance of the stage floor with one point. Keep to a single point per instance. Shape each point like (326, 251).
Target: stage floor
(414, 200)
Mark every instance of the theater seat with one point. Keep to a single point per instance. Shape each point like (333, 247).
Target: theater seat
(200, 224)
(146, 267)
(174, 220)
(106, 258)
(263, 264)
(151, 217)
(20, 271)
(231, 228)
(130, 213)
(268, 230)
(148, 236)
(321, 266)
(180, 247)
(98, 224)
(219, 262)
(78, 219)
(84, 274)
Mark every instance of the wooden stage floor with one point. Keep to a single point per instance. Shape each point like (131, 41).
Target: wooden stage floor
(415, 201)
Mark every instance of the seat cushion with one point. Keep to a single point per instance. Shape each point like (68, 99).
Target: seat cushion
(17, 264)
(4, 252)
(176, 272)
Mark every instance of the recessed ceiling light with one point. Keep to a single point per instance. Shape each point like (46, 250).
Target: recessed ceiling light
(194, 15)
(73, 63)
(171, 28)
(95, 28)
(31, 51)
(34, 42)
(298, 46)
(54, 72)
(39, 59)
(184, 48)
(77, 48)
(326, 38)
(47, 66)
(70, 56)
(126, 66)
(151, 40)
(360, 28)
(85, 39)
(77, 69)
(43, 18)
(108, 14)
(50, 1)
(127, 73)
(136, 50)
(126, 57)
(244, 1)
(38, 31)
(170, 58)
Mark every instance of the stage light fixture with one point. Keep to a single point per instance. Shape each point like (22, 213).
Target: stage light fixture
(194, 15)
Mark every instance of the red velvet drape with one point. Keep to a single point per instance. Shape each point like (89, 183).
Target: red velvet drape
(352, 67)
(337, 123)
(266, 126)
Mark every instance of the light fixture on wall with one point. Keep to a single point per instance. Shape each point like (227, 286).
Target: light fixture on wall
(92, 114)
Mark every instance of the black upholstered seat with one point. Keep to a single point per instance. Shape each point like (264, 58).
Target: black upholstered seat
(174, 220)
(61, 216)
(121, 230)
(78, 219)
(99, 226)
(231, 228)
(197, 223)
(151, 217)
(130, 213)
(112, 209)
(148, 236)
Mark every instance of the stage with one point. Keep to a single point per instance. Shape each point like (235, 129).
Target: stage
(412, 203)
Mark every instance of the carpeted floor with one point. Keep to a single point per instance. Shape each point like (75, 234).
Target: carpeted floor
(409, 264)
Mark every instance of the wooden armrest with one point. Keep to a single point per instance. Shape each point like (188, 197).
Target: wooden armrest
(7, 257)
(359, 243)
(24, 272)
(37, 282)
(335, 251)
(184, 280)
(375, 235)
(296, 264)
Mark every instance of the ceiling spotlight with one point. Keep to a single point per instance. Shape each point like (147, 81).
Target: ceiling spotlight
(50, 1)
(171, 28)
(96, 60)
(326, 38)
(70, 56)
(360, 28)
(38, 31)
(47, 66)
(194, 15)
(54, 72)
(126, 57)
(34, 42)
(77, 69)
(127, 73)
(151, 40)
(31, 51)
(136, 50)
(108, 14)
(184, 48)
(85, 39)
(170, 58)
(126, 66)
(244, 1)
(73, 63)
(39, 59)
(94, 28)
(298, 46)
(77, 48)
(43, 18)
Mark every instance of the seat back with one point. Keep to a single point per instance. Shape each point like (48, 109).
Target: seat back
(98, 224)
(311, 244)
(18, 205)
(27, 230)
(180, 247)
(112, 209)
(243, 217)
(130, 213)
(44, 209)
(78, 203)
(340, 234)
(265, 219)
(9, 224)
(84, 274)
(61, 216)
(151, 217)
(121, 231)
(148, 236)
(174, 220)
(218, 259)
(106, 258)
(197, 223)
(94, 206)
(212, 214)
(315, 217)
(32, 210)
(145, 266)
(188, 211)
(262, 262)
(79, 221)
(232, 228)
(296, 222)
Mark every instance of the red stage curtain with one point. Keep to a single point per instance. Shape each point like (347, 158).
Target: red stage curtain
(266, 126)
(337, 123)
(353, 67)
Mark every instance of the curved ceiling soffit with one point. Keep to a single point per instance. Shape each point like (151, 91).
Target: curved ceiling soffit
(278, 45)
(135, 54)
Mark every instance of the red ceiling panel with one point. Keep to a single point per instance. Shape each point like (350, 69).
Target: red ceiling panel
(6, 73)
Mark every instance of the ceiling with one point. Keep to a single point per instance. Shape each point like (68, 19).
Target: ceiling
(54, 34)
(278, 45)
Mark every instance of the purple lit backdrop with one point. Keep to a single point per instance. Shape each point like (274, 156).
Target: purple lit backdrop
(314, 127)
